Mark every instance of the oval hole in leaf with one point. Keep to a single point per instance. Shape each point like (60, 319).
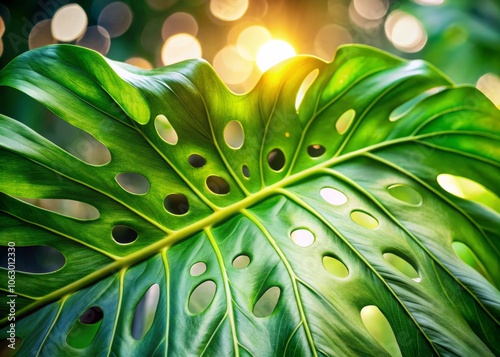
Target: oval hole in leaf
(202, 297)
(344, 121)
(402, 265)
(302, 237)
(165, 130)
(467, 256)
(6, 351)
(69, 208)
(198, 269)
(378, 326)
(217, 185)
(405, 193)
(246, 171)
(37, 259)
(407, 106)
(241, 261)
(315, 150)
(306, 84)
(145, 312)
(85, 328)
(335, 267)
(364, 219)
(133, 183)
(333, 196)
(267, 302)
(468, 189)
(234, 135)
(276, 159)
(124, 234)
(196, 160)
(176, 203)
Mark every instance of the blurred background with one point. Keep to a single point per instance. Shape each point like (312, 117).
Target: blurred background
(242, 38)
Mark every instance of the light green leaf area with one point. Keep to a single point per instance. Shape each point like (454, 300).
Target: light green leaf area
(245, 226)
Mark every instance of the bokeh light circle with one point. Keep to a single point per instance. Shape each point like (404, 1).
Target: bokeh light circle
(69, 23)
(115, 18)
(228, 10)
(180, 47)
(405, 32)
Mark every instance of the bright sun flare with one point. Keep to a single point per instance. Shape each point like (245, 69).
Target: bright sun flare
(273, 52)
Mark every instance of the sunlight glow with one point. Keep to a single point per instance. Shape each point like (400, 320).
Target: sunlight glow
(272, 53)
(250, 40)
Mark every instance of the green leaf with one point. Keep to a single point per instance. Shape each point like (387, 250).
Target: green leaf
(246, 226)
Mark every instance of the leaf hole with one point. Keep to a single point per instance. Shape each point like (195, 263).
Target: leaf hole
(335, 267)
(246, 171)
(276, 159)
(267, 302)
(302, 237)
(469, 257)
(176, 203)
(133, 183)
(241, 261)
(85, 328)
(217, 185)
(468, 189)
(37, 259)
(304, 87)
(145, 312)
(196, 160)
(165, 130)
(407, 106)
(333, 196)
(198, 269)
(379, 327)
(12, 340)
(406, 194)
(402, 265)
(315, 150)
(202, 297)
(344, 121)
(123, 234)
(364, 219)
(234, 135)
(69, 208)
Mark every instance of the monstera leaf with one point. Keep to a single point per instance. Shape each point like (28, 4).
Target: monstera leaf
(294, 220)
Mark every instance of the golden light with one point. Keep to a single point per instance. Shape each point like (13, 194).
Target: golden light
(489, 84)
(405, 32)
(180, 22)
(371, 9)
(272, 53)
(250, 40)
(328, 38)
(231, 66)
(41, 35)
(180, 47)
(69, 23)
(1, 47)
(96, 38)
(115, 18)
(139, 62)
(228, 10)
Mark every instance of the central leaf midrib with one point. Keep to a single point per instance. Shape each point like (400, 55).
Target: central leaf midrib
(215, 218)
